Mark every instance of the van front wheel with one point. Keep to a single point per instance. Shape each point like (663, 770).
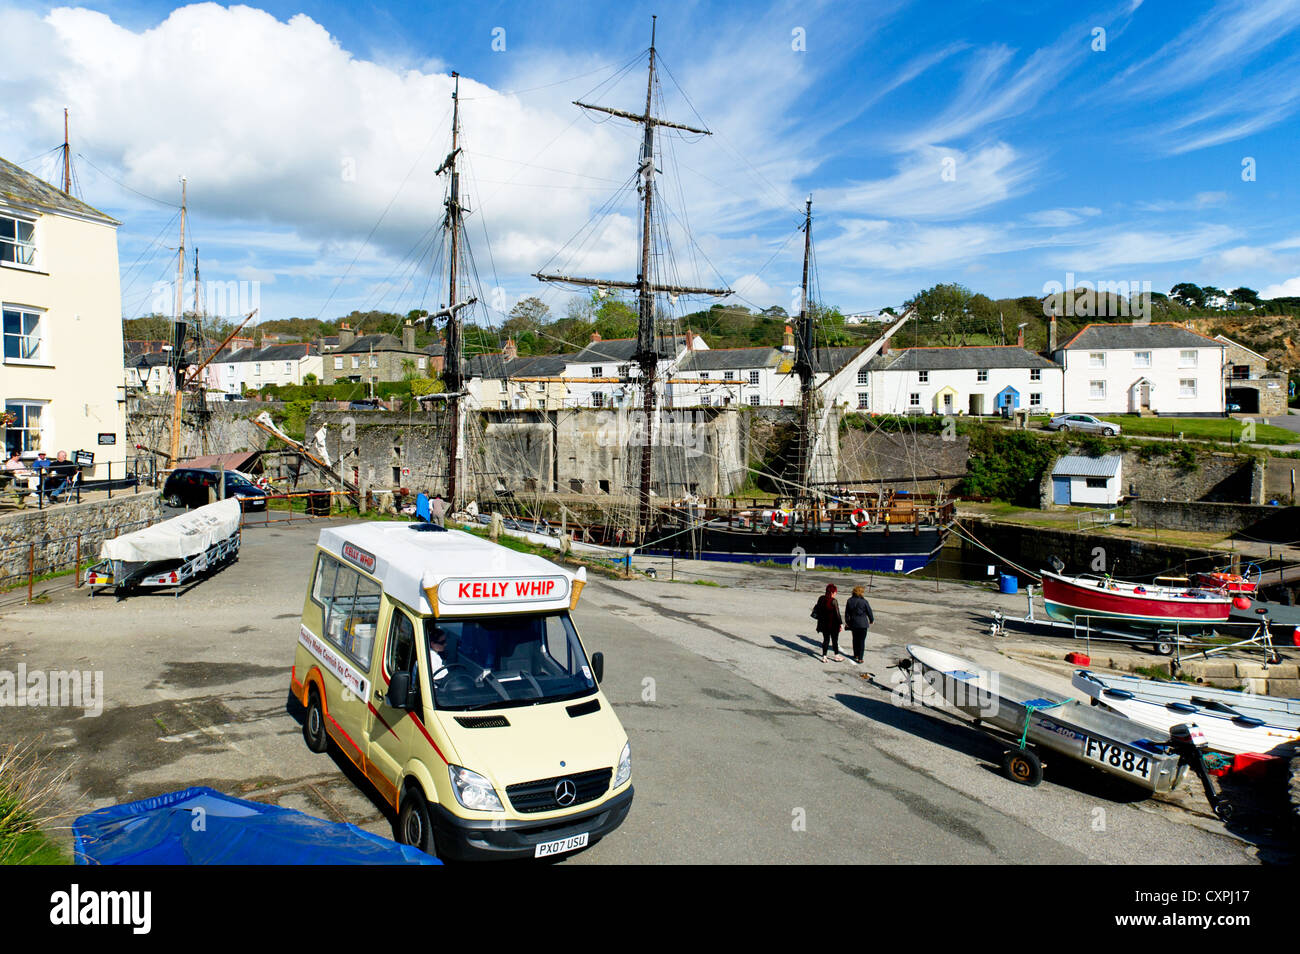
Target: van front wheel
(413, 826)
(313, 727)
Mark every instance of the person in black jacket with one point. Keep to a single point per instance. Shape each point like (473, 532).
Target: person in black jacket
(829, 623)
(857, 617)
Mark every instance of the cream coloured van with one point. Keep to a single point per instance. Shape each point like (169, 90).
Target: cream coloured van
(448, 670)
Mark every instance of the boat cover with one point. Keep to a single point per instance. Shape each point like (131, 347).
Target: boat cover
(201, 826)
(179, 538)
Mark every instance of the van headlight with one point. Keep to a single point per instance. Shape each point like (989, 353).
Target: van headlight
(473, 791)
(624, 766)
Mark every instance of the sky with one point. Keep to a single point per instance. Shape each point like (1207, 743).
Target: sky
(1010, 148)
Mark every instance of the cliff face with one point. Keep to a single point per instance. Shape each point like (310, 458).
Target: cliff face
(1275, 337)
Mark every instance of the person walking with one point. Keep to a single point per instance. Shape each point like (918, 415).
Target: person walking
(438, 511)
(858, 617)
(829, 623)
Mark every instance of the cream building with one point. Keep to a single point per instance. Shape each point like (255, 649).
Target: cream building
(63, 372)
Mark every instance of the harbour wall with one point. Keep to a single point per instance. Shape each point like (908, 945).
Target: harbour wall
(47, 538)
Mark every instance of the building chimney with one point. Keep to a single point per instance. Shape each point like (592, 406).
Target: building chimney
(510, 351)
(787, 342)
(346, 335)
(884, 345)
(690, 340)
(1051, 335)
(595, 336)
(1020, 337)
(408, 336)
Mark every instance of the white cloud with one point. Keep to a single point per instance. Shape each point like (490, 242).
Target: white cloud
(1061, 218)
(1117, 248)
(1287, 289)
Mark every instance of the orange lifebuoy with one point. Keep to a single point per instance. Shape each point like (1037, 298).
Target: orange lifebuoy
(859, 518)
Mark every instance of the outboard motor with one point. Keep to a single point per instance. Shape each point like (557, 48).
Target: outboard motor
(1189, 741)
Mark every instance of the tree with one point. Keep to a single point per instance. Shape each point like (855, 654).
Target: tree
(947, 306)
(1212, 294)
(1188, 294)
(309, 378)
(1245, 296)
(529, 314)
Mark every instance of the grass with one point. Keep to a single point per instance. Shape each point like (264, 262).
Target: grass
(1200, 428)
(26, 792)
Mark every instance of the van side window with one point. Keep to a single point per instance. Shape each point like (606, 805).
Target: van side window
(351, 608)
(401, 644)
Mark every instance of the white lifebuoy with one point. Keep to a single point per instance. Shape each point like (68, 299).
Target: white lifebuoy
(859, 518)
(780, 518)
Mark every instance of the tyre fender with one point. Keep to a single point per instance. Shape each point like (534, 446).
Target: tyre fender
(416, 772)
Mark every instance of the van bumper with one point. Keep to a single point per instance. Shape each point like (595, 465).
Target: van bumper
(477, 840)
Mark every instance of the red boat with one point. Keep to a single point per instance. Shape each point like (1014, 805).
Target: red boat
(1234, 584)
(1102, 597)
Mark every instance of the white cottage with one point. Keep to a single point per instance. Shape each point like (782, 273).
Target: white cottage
(969, 380)
(1143, 369)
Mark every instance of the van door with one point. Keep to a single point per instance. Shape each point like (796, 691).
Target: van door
(389, 731)
(350, 612)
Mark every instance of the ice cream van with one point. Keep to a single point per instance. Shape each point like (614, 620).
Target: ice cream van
(449, 671)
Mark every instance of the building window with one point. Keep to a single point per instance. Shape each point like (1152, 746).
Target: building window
(862, 375)
(922, 377)
(598, 399)
(1187, 387)
(753, 400)
(257, 367)
(421, 363)
(864, 400)
(356, 361)
(541, 385)
(1187, 359)
(230, 369)
(1035, 374)
(541, 404)
(24, 434)
(1097, 390)
(22, 331)
(624, 370)
(288, 367)
(1035, 400)
(17, 241)
(1097, 359)
(704, 375)
(505, 405)
(728, 375)
(1141, 359)
(704, 400)
(338, 364)
(505, 386)
(1097, 483)
(350, 605)
(597, 370)
(914, 399)
(374, 360)
(981, 376)
(753, 377)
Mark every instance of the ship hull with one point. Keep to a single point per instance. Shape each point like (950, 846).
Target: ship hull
(1066, 599)
(901, 551)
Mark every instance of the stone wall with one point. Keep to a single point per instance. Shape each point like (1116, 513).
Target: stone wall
(1224, 518)
(919, 463)
(582, 451)
(1216, 477)
(227, 428)
(1282, 480)
(49, 536)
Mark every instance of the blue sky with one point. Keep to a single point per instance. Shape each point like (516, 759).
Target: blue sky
(993, 144)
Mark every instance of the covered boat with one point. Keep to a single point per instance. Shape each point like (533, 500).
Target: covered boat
(1101, 597)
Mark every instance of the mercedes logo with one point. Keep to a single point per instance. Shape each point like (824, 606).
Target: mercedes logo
(566, 793)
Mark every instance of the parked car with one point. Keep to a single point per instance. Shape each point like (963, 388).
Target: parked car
(1082, 422)
(366, 404)
(189, 486)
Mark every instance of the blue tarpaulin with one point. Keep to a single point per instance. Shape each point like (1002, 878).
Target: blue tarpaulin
(201, 826)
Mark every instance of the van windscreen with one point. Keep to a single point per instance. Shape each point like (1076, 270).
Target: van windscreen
(497, 661)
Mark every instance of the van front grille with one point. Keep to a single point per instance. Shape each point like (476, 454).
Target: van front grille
(540, 796)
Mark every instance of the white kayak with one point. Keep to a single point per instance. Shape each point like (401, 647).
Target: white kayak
(1233, 722)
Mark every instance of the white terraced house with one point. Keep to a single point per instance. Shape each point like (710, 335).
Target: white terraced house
(958, 381)
(62, 377)
(1143, 369)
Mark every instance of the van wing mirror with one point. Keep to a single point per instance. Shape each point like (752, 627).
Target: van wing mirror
(399, 690)
(598, 666)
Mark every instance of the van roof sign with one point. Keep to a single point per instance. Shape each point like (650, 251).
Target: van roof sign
(453, 573)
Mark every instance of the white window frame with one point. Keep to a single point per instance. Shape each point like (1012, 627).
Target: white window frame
(864, 400)
(338, 364)
(753, 378)
(704, 375)
(1184, 391)
(753, 400)
(16, 246)
(422, 363)
(42, 339)
(597, 370)
(922, 377)
(374, 360)
(41, 438)
(1096, 390)
(1187, 358)
(356, 361)
(982, 376)
(1035, 400)
(1096, 359)
(1137, 359)
(1035, 374)
(863, 376)
(728, 375)
(914, 399)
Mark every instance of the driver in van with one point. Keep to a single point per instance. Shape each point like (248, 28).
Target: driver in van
(437, 646)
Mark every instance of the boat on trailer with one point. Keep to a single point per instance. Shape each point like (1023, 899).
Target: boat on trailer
(1225, 579)
(1040, 719)
(1233, 722)
(1138, 604)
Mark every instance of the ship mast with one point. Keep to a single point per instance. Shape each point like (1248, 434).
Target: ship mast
(178, 341)
(67, 156)
(452, 369)
(647, 352)
(803, 364)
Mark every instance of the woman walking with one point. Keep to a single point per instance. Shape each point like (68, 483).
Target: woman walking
(858, 616)
(829, 623)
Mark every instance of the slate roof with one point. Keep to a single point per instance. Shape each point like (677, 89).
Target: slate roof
(379, 342)
(830, 360)
(1075, 465)
(19, 187)
(495, 366)
(728, 359)
(624, 350)
(951, 359)
(1129, 336)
